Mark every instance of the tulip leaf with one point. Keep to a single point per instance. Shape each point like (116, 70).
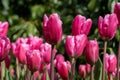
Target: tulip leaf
(98, 70)
(47, 76)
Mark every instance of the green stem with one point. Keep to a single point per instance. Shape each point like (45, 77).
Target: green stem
(52, 64)
(92, 73)
(17, 69)
(118, 61)
(103, 68)
(73, 68)
(2, 70)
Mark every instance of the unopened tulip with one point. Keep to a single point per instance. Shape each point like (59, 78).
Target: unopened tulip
(33, 60)
(75, 45)
(117, 10)
(88, 68)
(82, 71)
(111, 62)
(52, 28)
(4, 47)
(34, 42)
(81, 25)
(92, 52)
(45, 50)
(62, 69)
(107, 26)
(3, 28)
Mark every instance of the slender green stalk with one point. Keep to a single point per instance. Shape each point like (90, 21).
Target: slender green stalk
(92, 73)
(73, 68)
(118, 57)
(17, 69)
(52, 64)
(103, 68)
(2, 70)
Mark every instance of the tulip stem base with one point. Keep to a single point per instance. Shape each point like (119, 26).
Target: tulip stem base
(92, 73)
(103, 68)
(118, 60)
(73, 69)
(52, 64)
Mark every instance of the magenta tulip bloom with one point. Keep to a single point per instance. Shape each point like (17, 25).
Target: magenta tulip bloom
(82, 71)
(111, 62)
(52, 28)
(81, 25)
(34, 42)
(45, 50)
(62, 69)
(4, 47)
(3, 28)
(117, 11)
(7, 61)
(92, 52)
(33, 60)
(75, 45)
(107, 26)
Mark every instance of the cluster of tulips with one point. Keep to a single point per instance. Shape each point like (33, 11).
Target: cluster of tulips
(39, 57)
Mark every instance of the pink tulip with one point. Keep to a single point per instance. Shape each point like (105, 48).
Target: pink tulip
(62, 69)
(45, 50)
(21, 55)
(117, 10)
(92, 52)
(52, 28)
(3, 28)
(33, 60)
(36, 75)
(111, 62)
(34, 42)
(7, 61)
(4, 47)
(107, 26)
(88, 68)
(75, 45)
(12, 72)
(82, 71)
(81, 25)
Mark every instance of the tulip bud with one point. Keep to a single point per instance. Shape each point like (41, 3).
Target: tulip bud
(45, 50)
(117, 11)
(35, 42)
(80, 25)
(52, 28)
(75, 45)
(82, 71)
(4, 47)
(92, 52)
(62, 69)
(111, 62)
(33, 60)
(88, 68)
(107, 26)
(3, 28)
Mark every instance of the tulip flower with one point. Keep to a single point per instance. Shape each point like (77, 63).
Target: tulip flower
(111, 62)
(7, 61)
(34, 42)
(117, 10)
(45, 50)
(81, 25)
(75, 45)
(63, 69)
(107, 26)
(33, 60)
(82, 71)
(52, 28)
(4, 47)
(3, 28)
(92, 52)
